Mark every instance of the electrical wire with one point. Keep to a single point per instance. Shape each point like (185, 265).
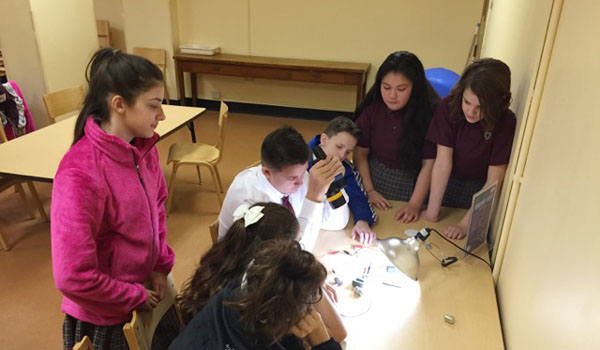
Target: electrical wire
(454, 244)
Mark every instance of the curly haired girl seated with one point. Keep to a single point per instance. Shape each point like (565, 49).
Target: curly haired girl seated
(269, 307)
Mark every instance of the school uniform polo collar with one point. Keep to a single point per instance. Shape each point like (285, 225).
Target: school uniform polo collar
(114, 147)
(267, 188)
(393, 114)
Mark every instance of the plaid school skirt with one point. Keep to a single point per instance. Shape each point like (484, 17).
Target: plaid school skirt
(459, 194)
(393, 184)
(113, 338)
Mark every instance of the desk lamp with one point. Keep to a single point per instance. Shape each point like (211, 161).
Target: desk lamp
(404, 253)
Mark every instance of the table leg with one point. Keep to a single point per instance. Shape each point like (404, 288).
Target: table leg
(180, 83)
(194, 83)
(363, 90)
(190, 126)
(359, 93)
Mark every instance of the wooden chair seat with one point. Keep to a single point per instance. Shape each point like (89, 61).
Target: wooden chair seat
(192, 153)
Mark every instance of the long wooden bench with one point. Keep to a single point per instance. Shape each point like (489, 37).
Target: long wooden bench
(314, 71)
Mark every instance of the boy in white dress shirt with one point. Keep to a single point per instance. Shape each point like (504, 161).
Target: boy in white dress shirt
(282, 178)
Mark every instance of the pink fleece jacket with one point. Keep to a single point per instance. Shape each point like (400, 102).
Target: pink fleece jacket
(108, 225)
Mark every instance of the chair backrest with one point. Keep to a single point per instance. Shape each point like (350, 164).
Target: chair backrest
(3, 137)
(156, 56)
(159, 58)
(64, 101)
(103, 27)
(84, 344)
(140, 330)
(214, 230)
(223, 114)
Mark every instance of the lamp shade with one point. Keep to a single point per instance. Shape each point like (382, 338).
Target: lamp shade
(403, 253)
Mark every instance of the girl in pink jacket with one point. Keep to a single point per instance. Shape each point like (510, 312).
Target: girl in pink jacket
(108, 225)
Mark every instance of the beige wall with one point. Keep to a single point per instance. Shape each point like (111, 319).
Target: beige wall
(173, 7)
(438, 31)
(20, 52)
(549, 281)
(45, 47)
(66, 40)
(515, 34)
(147, 23)
(112, 11)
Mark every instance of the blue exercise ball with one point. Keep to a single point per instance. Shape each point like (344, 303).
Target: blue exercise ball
(441, 79)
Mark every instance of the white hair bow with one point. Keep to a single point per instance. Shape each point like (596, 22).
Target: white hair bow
(251, 215)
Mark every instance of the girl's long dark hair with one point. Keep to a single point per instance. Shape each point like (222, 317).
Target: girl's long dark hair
(418, 110)
(489, 79)
(110, 72)
(229, 257)
(280, 286)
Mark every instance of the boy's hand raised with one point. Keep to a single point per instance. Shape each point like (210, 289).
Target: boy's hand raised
(321, 175)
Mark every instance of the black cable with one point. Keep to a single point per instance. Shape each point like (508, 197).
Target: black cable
(454, 244)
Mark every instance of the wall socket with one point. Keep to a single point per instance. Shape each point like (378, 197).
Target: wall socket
(215, 95)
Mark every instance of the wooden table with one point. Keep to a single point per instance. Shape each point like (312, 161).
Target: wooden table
(313, 71)
(412, 316)
(35, 156)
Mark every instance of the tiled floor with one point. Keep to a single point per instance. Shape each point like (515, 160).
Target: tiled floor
(29, 302)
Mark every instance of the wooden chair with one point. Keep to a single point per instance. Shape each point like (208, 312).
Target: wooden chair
(159, 58)
(199, 154)
(214, 230)
(64, 101)
(6, 183)
(103, 27)
(84, 344)
(140, 330)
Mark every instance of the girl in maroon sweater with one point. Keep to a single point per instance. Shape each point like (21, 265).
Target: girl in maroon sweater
(473, 129)
(392, 155)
